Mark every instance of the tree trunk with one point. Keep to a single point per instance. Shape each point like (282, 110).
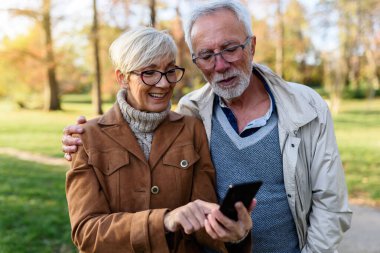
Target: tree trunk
(179, 38)
(52, 101)
(332, 81)
(355, 27)
(370, 47)
(152, 6)
(96, 86)
(280, 40)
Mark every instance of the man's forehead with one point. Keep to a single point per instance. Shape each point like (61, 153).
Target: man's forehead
(216, 30)
(214, 40)
(222, 44)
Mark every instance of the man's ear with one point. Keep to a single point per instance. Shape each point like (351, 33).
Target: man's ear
(253, 45)
(121, 79)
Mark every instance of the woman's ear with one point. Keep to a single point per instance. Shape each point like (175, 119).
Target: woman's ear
(121, 79)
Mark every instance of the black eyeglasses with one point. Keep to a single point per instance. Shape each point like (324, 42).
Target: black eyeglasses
(206, 60)
(153, 77)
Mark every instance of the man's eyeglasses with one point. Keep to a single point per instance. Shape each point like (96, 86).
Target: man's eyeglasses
(153, 77)
(206, 60)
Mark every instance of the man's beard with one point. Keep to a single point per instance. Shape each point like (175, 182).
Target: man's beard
(235, 91)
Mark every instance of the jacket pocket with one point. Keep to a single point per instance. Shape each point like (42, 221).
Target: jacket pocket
(108, 161)
(182, 157)
(179, 163)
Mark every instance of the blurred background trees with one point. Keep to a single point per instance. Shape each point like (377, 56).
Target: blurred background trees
(331, 45)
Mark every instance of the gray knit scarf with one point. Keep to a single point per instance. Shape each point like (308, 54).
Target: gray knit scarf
(142, 124)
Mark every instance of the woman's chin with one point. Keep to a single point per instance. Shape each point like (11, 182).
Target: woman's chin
(157, 107)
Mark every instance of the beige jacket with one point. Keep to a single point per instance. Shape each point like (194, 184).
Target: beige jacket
(313, 173)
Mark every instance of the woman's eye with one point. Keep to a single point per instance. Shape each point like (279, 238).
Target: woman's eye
(149, 73)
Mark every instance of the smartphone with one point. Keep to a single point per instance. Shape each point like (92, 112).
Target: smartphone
(244, 192)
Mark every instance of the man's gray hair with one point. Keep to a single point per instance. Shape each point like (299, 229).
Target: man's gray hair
(236, 7)
(140, 47)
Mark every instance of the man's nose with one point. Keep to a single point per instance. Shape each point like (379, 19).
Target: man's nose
(220, 63)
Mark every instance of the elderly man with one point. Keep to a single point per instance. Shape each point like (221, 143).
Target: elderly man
(261, 127)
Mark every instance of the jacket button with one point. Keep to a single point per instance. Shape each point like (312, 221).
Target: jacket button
(155, 189)
(184, 163)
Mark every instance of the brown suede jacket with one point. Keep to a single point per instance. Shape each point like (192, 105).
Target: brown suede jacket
(117, 199)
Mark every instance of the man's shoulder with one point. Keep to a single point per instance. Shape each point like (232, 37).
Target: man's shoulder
(91, 125)
(308, 93)
(197, 94)
(189, 104)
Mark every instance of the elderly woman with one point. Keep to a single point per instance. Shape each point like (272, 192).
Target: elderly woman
(143, 180)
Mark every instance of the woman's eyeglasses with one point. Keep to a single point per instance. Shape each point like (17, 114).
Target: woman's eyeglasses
(153, 77)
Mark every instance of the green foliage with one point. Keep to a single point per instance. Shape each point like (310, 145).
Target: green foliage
(361, 92)
(33, 210)
(21, 65)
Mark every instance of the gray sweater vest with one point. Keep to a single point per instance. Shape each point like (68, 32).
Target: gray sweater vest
(256, 157)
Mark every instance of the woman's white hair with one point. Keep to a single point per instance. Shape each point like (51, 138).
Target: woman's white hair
(140, 47)
(237, 8)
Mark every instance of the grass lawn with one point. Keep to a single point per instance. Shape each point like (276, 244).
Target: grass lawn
(36, 131)
(33, 208)
(358, 135)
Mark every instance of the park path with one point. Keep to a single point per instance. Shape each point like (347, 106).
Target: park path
(364, 234)
(23, 155)
(363, 237)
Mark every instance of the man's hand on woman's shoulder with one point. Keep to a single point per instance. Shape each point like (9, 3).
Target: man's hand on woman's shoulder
(69, 143)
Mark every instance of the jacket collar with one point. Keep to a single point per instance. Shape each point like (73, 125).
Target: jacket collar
(114, 117)
(295, 110)
(115, 127)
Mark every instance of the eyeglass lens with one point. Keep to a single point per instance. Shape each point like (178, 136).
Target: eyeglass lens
(229, 54)
(152, 77)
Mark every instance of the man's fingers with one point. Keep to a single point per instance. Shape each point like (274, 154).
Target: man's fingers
(81, 120)
(243, 215)
(67, 156)
(252, 205)
(226, 229)
(68, 140)
(72, 129)
(69, 149)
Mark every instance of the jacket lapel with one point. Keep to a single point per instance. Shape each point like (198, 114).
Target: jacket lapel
(116, 128)
(205, 99)
(294, 110)
(164, 136)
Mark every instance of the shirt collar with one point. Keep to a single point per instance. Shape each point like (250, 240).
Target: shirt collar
(259, 122)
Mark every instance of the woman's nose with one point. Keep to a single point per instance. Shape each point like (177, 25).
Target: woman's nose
(163, 82)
